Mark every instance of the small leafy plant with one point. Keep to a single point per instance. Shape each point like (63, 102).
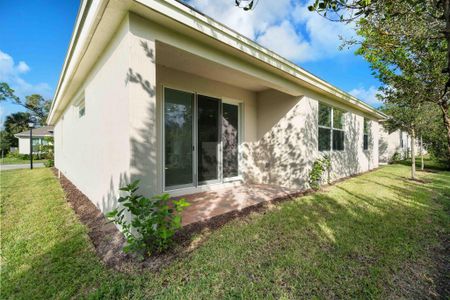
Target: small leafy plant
(319, 167)
(396, 157)
(148, 224)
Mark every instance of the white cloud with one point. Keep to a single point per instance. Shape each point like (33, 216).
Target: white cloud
(367, 95)
(11, 73)
(282, 26)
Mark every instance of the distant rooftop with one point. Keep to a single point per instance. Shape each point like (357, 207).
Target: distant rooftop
(37, 132)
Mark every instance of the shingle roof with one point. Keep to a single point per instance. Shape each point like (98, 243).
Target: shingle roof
(37, 132)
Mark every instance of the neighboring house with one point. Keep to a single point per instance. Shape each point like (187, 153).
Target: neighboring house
(392, 144)
(39, 139)
(155, 90)
(396, 143)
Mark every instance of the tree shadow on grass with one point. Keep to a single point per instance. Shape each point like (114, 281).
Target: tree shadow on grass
(345, 243)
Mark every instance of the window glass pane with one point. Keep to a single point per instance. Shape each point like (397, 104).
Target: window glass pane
(338, 119)
(338, 140)
(324, 139)
(230, 139)
(366, 126)
(324, 115)
(366, 142)
(208, 138)
(178, 108)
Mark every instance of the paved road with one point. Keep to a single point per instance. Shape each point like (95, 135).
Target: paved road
(20, 166)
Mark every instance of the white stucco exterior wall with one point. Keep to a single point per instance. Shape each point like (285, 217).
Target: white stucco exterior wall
(119, 137)
(287, 142)
(24, 145)
(93, 151)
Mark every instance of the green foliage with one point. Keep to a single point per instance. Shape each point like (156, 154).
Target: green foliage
(330, 245)
(35, 103)
(154, 221)
(319, 167)
(406, 45)
(49, 163)
(47, 149)
(396, 157)
(14, 123)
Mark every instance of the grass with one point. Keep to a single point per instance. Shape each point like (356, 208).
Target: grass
(16, 160)
(373, 236)
(428, 163)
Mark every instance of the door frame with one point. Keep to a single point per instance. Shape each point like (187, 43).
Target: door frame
(195, 183)
(240, 106)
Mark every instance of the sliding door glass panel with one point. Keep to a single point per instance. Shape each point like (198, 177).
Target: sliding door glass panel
(230, 139)
(178, 129)
(208, 138)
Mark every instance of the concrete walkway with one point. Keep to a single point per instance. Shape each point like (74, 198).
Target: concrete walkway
(20, 166)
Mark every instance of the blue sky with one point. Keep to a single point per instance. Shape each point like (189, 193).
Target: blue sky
(35, 37)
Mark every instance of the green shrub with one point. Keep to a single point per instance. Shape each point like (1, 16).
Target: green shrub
(316, 173)
(13, 154)
(154, 221)
(396, 157)
(49, 163)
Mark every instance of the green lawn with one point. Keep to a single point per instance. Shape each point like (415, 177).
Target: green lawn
(14, 160)
(373, 236)
(428, 163)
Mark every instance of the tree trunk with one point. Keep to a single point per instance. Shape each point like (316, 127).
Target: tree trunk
(421, 153)
(413, 154)
(444, 108)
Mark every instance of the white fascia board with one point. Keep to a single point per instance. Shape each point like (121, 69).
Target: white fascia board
(88, 16)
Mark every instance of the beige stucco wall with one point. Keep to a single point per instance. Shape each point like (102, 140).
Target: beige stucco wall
(390, 144)
(119, 138)
(24, 145)
(287, 142)
(94, 151)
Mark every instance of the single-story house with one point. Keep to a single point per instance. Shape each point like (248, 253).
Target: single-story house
(157, 91)
(397, 143)
(40, 136)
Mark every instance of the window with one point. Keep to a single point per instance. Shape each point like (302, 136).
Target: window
(401, 139)
(81, 109)
(366, 135)
(338, 129)
(331, 128)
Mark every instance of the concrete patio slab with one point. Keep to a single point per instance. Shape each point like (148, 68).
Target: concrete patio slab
(206, 205)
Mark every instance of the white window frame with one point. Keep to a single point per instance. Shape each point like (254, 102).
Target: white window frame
(331, 127)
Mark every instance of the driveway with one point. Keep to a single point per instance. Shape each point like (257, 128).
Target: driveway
(20, 166)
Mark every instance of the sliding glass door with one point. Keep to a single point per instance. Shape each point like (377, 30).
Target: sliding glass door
(201, 139)
(178, 138)
(230, 140)
(208, 133)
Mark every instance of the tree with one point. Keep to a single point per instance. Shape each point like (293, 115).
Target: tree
(15, 123)
(410, 38)
(35, 103)
(402, 38)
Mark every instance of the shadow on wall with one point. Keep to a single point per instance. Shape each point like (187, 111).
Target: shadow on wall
(283, 155)
(383, 151)
(143, 148)
(345, 163)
